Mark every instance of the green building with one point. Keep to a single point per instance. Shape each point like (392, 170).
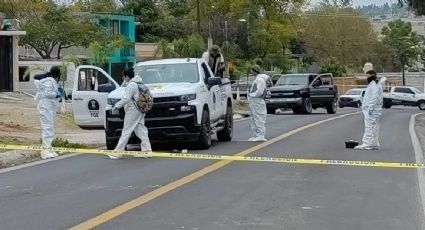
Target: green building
(124, 25)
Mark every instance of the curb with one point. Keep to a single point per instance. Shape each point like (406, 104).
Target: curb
(18, 157)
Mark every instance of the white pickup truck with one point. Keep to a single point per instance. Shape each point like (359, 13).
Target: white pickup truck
(407, 96)
(190, 104)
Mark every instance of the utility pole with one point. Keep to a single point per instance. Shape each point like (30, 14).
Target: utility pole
(198, 15)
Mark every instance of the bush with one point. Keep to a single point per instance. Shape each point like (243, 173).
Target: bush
(64, 143)
(334, 67)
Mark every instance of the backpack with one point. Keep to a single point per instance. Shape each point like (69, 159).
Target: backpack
(145, 100)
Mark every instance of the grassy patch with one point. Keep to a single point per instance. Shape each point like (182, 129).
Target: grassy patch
(66, 120)
(241, 105)
(8, 140)
(64, 143)
(11, 140)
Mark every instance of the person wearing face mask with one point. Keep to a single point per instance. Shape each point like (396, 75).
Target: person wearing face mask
(257, 104)
(372, 110)
(47, 96)
(134, 120)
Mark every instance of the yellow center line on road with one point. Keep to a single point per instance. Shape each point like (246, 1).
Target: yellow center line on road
(118, 210)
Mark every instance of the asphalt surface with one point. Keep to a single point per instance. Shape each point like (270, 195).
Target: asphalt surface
(64, 193)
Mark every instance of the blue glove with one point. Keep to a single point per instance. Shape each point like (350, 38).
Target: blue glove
(370, 111)
(58, 94)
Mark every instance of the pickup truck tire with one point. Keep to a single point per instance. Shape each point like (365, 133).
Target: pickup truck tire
(358, 104)
(271, 110)
(331, 107)
(307, 106)
(227, 133)
(204, 141)
(421, 105)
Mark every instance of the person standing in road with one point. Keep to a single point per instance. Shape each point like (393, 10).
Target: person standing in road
(257, 104)
(215, 60)
(134, 120)
(48, 95)
(372, 110)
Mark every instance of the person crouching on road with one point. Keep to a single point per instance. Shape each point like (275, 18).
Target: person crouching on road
(48, 97)
(372, 110)
(257, 105)
(134, 120)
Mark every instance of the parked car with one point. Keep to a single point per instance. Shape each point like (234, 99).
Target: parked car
(303, 93)
(352, 98)
(407, 96)
(244, 85)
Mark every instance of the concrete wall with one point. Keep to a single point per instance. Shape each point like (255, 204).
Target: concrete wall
(16, 63)
(413, 79)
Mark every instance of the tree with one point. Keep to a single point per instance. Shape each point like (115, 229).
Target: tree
(230, 51)
(148, 13)
(417, 5)
(297, 46)
(101, 51)
(190, 47)
(334, 67)
(56, 27)
(164, 49)
(334, 33)
(95, 6)
(399, 36)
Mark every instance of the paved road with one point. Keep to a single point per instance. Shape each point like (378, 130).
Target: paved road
(64, 193)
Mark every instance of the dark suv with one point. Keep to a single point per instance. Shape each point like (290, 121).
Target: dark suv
(303, 93)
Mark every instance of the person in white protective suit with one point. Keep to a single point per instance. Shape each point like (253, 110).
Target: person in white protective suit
(372, 110)
(134, 120)
(48, 98)
(215, 60)
(257, 104)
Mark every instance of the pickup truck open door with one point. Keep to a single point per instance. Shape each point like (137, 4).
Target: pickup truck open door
(91, 87)
(323, 89)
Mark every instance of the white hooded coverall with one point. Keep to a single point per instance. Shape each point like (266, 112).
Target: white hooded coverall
(213, 62)
(257, 105)
(372, 110)
(47, 103)
(134, 120)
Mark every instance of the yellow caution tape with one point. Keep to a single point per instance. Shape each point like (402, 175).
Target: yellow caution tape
(223, 157)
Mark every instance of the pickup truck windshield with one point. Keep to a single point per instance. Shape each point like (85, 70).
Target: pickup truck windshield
(417, 91)
(293, 80)
(168, 73)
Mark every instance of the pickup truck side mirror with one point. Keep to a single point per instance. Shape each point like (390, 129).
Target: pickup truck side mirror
(214, 81)
(106, 88)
